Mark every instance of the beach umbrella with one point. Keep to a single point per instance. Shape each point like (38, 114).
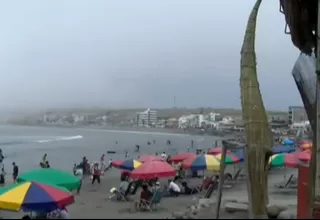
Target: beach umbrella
(288, 142)
(305, 145)
(278, 149)
(34, 196)
(304, 156)
(153, 169)
(230, 158)
(181, 157)
(146, 158)
(239, 154)
(216, 150)
(130, 164)
(202, 162)
(284, 160)
(51, 176)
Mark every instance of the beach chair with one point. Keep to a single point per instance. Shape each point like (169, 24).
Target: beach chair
(153, 204)
(230, 180)
(212, 187)
(286, 184)
(120, 196)
(204, 185)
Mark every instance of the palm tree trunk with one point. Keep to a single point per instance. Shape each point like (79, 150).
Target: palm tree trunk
(257, 130)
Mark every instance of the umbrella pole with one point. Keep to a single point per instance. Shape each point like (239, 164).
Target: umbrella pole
(221, 180)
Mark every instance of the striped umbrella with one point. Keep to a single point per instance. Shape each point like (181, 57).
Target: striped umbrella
(230, 158)
(202, 162)
(129, 164)
(33, 196)
(284, 160)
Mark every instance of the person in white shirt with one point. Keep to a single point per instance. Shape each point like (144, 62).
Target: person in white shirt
(79, 173)
(174, 189)
(164, 156)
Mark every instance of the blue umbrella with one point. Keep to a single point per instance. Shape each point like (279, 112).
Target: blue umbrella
(288, 142)
(283, 149)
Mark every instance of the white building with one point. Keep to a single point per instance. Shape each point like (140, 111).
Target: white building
(147, 118)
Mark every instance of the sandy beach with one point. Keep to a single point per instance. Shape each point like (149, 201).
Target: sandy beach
(93, 201)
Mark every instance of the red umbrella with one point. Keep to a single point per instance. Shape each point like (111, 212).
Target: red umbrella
(153, 169)
(181, 157)
(304, 156)
(214, 151)
(147, 158)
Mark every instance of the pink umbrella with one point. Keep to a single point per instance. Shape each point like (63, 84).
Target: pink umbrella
(146, 158)
(304, 156)
(153, 169)
(217, 150)
(181, 157)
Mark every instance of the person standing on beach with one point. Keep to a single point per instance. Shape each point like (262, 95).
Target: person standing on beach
(126, 154)
(79, 173)
(96, 174)
(15, 172)
(102, 163)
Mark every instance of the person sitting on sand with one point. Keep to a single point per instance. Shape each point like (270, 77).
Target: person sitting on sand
(188, 190)
(145, 197)
(173, 188)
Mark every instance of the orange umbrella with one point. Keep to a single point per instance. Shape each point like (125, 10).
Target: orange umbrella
(305, 145)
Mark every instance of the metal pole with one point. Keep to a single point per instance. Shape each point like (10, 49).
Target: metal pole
(221, 179)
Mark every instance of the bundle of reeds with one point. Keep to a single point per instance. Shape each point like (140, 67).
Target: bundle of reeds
(257, 129)
(301, 18)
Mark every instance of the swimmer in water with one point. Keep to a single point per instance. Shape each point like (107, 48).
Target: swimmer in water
(137, 148)
(148, 143)
(126, 154)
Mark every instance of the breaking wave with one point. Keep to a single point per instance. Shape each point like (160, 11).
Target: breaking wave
(68, 138)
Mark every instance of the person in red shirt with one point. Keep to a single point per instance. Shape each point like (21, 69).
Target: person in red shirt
(96, 173)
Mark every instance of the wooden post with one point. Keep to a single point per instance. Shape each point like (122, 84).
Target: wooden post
(246, 168)
(221, 178)
(314, 187)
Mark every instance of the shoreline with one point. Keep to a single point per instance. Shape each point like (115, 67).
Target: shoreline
(129, 129)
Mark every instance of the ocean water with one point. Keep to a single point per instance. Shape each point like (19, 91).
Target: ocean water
(66, 146)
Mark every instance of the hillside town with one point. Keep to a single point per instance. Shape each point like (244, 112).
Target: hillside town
(295, 119)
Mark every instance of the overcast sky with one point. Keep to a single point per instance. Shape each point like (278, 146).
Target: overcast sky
(76, 53)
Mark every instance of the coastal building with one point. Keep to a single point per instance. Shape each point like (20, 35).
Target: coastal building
(297, 114)
(147, 118)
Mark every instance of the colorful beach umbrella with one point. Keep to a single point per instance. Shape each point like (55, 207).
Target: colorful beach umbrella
(230, 158)
(33, 196)
(305, 145)
(216, 150)
(146, 158)
(284, 160)
(51, 176)
(130, 164)
(278, 149)
(288, 142)
(153, 169)
(181, 157)
(202, 162)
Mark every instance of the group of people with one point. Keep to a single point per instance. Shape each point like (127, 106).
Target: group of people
(15, 170)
